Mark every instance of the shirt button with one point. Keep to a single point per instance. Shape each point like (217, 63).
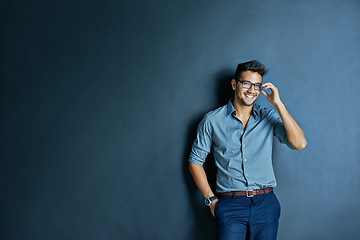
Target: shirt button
(244, 145)
(245, 160)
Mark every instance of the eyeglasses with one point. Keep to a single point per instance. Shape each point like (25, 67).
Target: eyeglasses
(248, 84)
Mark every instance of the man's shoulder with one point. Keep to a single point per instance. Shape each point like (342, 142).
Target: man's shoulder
(216, 113)
(265, 111)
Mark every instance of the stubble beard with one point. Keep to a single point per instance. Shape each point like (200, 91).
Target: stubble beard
(245, 103)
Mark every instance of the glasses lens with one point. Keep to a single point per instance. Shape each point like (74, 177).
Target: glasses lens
(246, 84)
(257, 87)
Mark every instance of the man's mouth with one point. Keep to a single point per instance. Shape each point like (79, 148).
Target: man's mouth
(249, 96)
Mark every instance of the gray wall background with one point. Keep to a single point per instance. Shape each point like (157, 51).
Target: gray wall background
(100, 101)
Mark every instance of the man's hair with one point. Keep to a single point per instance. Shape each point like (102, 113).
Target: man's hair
(253, 65)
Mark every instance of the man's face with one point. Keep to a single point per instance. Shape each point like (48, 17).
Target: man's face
(246, 96)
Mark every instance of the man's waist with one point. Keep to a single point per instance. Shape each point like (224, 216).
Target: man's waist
(249, 193)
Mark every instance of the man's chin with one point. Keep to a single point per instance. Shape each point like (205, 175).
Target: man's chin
(248, 103)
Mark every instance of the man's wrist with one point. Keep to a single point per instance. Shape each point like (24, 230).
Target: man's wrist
(213, 202)
(278, 105)
(208, 201)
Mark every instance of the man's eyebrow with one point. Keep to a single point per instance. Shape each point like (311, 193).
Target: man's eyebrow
(251, 82)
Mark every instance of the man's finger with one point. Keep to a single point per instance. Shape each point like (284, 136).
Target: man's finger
(265, 93)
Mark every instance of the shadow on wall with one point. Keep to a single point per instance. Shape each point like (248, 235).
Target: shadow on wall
(204, 228)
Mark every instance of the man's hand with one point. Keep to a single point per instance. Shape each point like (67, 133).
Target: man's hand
(274, 97)
(212, 207)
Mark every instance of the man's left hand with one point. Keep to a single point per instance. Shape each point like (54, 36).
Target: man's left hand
(273, 97)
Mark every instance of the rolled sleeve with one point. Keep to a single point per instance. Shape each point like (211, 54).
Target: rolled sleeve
(202, 143)
(280, 131)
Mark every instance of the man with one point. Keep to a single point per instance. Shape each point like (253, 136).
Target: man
(240, 136)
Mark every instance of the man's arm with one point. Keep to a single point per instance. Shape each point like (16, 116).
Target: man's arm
(295, 134)
(199, 175)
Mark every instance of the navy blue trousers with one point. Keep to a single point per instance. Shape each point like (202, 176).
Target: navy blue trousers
(247, 218)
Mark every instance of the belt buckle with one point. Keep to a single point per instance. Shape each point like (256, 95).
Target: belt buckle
(251, 195)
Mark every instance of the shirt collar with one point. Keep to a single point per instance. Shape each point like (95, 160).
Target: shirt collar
(231, 109)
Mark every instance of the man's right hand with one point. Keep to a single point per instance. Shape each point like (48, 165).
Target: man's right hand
(212, 206)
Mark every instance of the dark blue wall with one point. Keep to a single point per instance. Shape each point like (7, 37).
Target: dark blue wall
(100, 101)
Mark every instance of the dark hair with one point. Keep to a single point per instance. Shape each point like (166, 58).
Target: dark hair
(253, 65)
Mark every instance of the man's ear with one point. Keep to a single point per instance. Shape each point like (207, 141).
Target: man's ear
(233, 84)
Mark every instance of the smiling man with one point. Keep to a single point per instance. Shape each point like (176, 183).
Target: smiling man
(240, 136)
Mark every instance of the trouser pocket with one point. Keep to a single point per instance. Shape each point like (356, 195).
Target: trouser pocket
(217, 206)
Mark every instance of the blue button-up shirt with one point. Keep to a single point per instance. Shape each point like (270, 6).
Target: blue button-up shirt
(243, 156)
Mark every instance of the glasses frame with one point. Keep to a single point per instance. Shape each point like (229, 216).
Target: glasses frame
(255, 84)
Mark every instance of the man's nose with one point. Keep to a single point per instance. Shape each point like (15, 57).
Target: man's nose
(252, 88)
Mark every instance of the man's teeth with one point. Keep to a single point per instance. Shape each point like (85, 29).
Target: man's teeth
(249, 96)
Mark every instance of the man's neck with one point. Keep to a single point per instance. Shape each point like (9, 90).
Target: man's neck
(242, 111)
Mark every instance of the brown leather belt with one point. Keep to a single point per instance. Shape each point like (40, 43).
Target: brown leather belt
(249, 193)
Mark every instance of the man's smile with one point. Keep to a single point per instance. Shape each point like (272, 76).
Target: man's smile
(249, 96)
